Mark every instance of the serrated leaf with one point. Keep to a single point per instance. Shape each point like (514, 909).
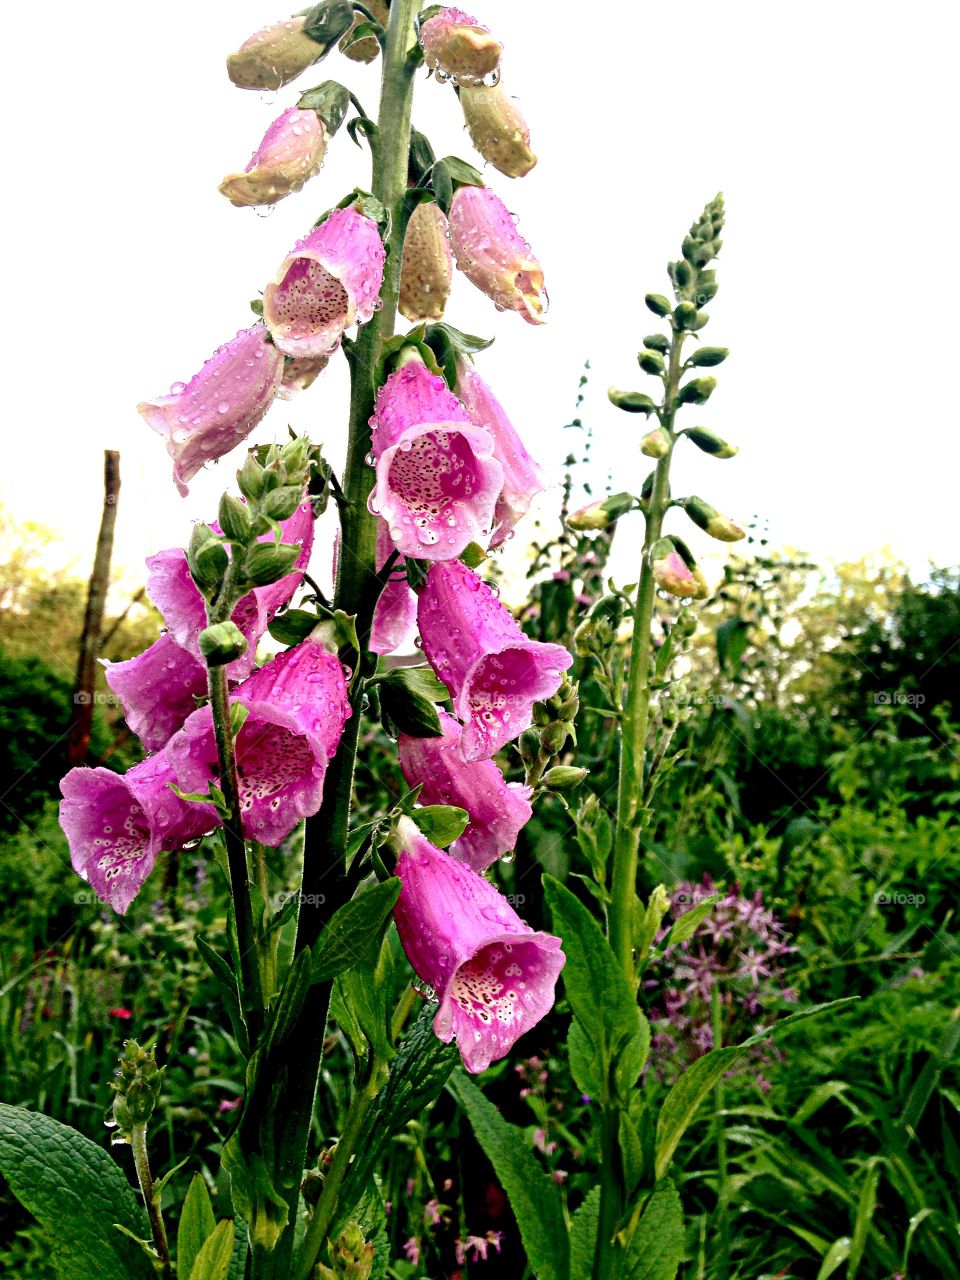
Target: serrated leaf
(353, 930)
(441, 823)
(213, 1260)
(656, 1247)
(197, 1224)
(76, 1193)
(598, 991)
(535, 1201)
(583, 1236)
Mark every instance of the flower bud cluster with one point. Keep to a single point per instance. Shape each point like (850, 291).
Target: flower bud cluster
(137, 1091)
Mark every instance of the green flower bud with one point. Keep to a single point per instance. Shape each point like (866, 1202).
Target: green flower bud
(206, 558)
(682, 273)
(529, 743)
(706, 357)
(711, 521)
(685, 315)
(137, 1091)
(250, 478)
(600, 515)
(552, 738)
(710, 443)
(282, 502)
(631, 401)
(651, 362)
(657, 342)
(698, 391)
(222, 643)
(235, 519)
(351, 1256)
(658, 304)
(564, 777)
(268, 562)
(655, 444)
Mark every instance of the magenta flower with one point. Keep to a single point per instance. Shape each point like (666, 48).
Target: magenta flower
(494, 256)
(116, 824)
(158, 689)
(290, 152)
(493, 671)
(521, 475)
(493, 975)
(455, 47)
(395, 616)
(218, 408)
(296, 709)
(328, 281)
(498, 809)
(178, 598)
(437, 478)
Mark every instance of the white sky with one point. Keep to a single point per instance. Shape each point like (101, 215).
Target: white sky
(830, 127)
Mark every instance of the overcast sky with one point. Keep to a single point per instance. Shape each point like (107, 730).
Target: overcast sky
(830, 128)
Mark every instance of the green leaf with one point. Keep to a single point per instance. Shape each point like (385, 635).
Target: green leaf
(733, 636)
(293, 626)
(535, 1201)
(213, 1260)
(600, 996)
(441, 823)
(227, 981)
(583, 1236)
(683, 1100)
(76, 1193)
(197, 1223)
(866, 1206)
(407, 697)
(656, 1247)
(834, 1258)
(473, 556)
(328, 22)
(354, 930)
(686, 926)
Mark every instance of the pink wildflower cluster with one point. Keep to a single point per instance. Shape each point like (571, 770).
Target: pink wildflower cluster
(739, 950)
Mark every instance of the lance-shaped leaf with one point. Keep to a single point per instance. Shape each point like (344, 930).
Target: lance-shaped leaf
(354, 930)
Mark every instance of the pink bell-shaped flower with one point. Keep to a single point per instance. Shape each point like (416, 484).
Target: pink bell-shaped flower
(395, 616)
(328, 281)
(437, 478)
(493, 975)
(494, 672)
(274, 56)
(158, 689)
(290, 152)
(494, 256)
(178, 598)
(296, 709)
(497, 129)
(218, 408)
(498, 809)
(116, 824)
(427, 269)
(456, 47)
(521, 475)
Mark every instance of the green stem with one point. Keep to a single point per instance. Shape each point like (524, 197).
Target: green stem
(325, 1212)
(323, 877)
(719, 1103)
(138, 1144)
(633, 727)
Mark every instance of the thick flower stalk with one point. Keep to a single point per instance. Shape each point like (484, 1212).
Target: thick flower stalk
(217, 409)
(494, 256)
(498, 810)
(497, 129)
(427, 269)
(328, 281)
(274, 56)
(290, 153)
(493, 975)
(456, 47)
(172, 589)
(117, 824)
(437, 478)
(494, 672)
(522, 480)
(296, 706)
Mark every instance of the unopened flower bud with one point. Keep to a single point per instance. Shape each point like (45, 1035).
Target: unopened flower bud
(250, 479)
(599, 515)
(455, 47)
(290, 152)
(707, 357)
(564, 777)
(222, 643)
(672, 573)
(274, 56)
(529, 743)
(631, 401)
(282, 502)
(234, 519)
(553, 736)
(427, 268)
(711, 521)
(497, 129)
(657, 342)
(655, 444)
(206, 558)
(268, 562)
(137, 1091)
(351, 1256)
(658, 304)
(710, 443)
(651, 362)
(698, 391)
(685, 315)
